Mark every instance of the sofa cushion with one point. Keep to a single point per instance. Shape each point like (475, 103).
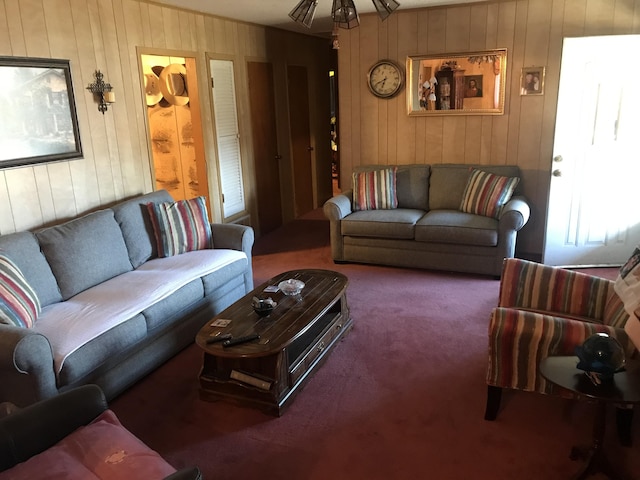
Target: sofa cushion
(375, 189)
(167, 309)
(19, 305)
(85, 252)
(24, 250)
(398, 223)
(486, 193)
(448, 181)
(133, 217)
(102, 449)
(181, 226)
(453, 226)
(412, 182)
(107, 348)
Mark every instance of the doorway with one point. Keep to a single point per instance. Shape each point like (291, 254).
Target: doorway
(175, 127)
(593, 219)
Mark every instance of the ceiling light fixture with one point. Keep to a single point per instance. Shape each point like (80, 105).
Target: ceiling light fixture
(343, 12)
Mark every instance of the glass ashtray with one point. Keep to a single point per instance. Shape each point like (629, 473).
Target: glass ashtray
(291, 286)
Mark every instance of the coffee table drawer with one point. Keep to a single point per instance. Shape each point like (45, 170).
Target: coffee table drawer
(317, 349)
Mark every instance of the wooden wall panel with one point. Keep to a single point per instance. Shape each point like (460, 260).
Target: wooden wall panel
(531, 30)
(108, 35)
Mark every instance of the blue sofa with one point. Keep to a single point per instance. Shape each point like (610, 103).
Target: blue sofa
(111, 311)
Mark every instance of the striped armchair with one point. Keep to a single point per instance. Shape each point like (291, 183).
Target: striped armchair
(544, 311)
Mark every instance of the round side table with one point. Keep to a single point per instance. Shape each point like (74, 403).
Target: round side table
(623, 390)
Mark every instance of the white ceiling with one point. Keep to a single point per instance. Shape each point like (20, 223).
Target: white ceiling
(275, 13)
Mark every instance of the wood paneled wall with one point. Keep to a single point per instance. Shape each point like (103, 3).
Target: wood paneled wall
(376, 131)
(109, 35)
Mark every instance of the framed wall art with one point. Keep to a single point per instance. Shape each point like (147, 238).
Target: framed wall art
(532, 81)
(38, 122)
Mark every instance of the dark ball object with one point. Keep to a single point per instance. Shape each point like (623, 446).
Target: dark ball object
(601, 354)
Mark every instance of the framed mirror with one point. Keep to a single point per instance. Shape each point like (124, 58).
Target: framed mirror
(470, 83)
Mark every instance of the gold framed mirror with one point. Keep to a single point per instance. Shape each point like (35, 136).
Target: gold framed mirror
(468, 83)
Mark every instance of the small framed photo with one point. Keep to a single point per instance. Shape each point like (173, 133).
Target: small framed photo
(532, 81)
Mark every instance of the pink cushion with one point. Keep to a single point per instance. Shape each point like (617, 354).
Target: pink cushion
(103, 449)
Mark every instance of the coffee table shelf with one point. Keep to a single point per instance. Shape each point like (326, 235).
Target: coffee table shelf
(295, 339)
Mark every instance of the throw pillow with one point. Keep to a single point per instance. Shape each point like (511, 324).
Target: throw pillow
(19, 304)
(486, 193)
(375, 190)
(181, 226)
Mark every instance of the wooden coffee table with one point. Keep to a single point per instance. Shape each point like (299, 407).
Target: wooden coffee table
(295, 339)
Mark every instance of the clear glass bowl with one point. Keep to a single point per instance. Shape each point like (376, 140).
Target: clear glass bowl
(291, 286)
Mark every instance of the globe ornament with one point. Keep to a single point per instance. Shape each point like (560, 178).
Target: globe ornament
(601, 356)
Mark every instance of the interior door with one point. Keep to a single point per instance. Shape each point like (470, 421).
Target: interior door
(302, 150)
(266, 157)
(593, 218)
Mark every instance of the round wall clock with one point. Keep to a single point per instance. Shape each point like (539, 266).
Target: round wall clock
(385, 79)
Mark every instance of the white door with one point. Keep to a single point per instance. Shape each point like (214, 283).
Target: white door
(594, 210)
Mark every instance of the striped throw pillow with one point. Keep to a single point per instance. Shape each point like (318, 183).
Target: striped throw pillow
(19, 304)
(375, 190)
(486, 193)
(181, 226)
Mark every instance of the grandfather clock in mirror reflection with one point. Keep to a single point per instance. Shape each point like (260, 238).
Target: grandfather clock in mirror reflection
(445, 92)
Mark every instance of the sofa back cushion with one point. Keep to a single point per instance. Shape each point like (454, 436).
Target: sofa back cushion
(85, 251)
(23, 249)
(412, 184)
(133, 217)
(448, 182)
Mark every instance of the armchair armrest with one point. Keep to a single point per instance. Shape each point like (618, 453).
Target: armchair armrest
(26, 366)
(515, 214)
(553, 290)
(35, 428)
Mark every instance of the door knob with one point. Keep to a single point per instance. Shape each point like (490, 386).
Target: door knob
(310, 149)
(278, 157)
(557, 158)
(556, 173)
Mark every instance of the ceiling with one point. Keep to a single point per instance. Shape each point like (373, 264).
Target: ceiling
(275, 13)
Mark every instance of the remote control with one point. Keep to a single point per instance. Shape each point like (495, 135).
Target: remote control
(236, 341)
(219, 338)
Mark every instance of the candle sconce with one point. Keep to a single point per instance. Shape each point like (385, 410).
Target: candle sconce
(102, 91)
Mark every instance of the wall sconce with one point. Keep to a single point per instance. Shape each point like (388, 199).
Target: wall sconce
(102, 91)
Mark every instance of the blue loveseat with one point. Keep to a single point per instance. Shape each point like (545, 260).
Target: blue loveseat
(111, 311)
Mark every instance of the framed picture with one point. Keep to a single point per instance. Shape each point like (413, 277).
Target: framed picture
(38, 122)
(472, 86)
(532, 81)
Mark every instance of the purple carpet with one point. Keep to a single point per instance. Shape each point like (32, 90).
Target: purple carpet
(401, 397)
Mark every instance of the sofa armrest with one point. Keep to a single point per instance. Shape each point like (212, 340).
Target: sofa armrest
(33, 429)
(515, 214)
(338, 206)
(233, 236)
(236, 237)
(553, 290)
(26, 366)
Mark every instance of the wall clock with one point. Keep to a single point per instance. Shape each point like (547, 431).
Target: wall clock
(385, 79)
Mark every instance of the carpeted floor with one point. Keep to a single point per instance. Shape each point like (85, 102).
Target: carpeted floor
(401, 397)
